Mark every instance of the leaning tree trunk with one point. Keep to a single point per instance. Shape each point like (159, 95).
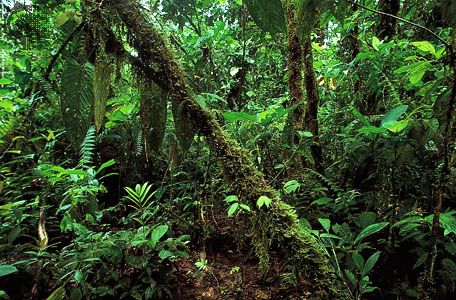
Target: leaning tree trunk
(276, 226)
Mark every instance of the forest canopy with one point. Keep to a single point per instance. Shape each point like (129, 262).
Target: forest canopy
(228, 149)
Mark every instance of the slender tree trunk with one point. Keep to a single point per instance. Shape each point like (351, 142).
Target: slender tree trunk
(295, 66)
(304, 118)
(313, 103)
(427, 288)
(388, 26)
(277, 225)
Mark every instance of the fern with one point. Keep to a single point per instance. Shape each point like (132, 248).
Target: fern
(6, 126)
(139, 143)
(87, 148)
(328, 181)
(77, 99)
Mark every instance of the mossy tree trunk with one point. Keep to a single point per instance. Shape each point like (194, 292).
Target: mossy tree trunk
(313, 103)
(295, 66)
(304, 115)
(276, 226)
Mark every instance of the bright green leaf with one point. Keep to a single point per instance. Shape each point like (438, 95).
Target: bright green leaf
(425, 46)
(7, 269)
(232, 209)
(157, 234)
(370, 263)
(326, 223)
(264, 200)
(369, 230)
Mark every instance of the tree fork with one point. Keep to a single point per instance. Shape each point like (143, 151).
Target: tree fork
(278, 225)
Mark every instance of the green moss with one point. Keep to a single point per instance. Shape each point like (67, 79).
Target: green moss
(277, 226)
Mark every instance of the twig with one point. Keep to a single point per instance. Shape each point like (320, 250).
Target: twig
(400, 19)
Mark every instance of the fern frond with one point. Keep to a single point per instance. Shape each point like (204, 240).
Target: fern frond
(87, 148)
(139, 143)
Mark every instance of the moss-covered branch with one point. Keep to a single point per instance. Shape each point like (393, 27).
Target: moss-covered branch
(277, 226)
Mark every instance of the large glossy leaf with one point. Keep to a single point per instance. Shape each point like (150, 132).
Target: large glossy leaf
(233, 116)
(77, 99)
(267, 14)
(370, 263)
(370, 230)
(7, 269)
(157, 234)
(425, 46)
(326, 223)
(394, 114)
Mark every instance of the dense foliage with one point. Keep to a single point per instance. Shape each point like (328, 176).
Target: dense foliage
(243, 149)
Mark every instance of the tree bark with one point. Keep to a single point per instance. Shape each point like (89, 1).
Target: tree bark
(295, 66)
(276, 226)
(388, 25)
(313, 102)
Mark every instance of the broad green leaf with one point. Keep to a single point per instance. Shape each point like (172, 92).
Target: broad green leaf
(232, 116)
(416, 75)
(61, 19)
(5, 81)
(78, 276)
(394, 114)
(330, 236)
(375, 43)
(425, 46)
(264, 200)
(245, 207)
(164, 254)
(350, 276)
(369, 230)
(231, 198)
(413, 219)
(322, 201)
(366, 218)
(157, 234)
(268, 14)
(7, 269)
(360, 117)
(358, 260)
(234, 71)
(106, 165)
(326, 223)
(305, 134)
(291, 186)
(370, 263)
(232, 209)
(372, 130)
(395, 126)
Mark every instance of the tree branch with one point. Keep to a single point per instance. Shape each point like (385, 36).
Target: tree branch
(400, 19)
